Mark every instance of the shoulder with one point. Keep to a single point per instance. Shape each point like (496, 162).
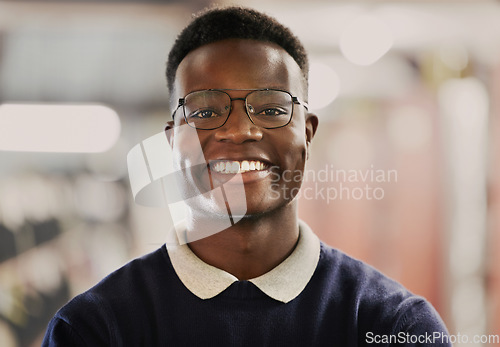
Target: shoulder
(343, 271)
(379, 303)
(137, 271)
(146, 273)
(94, 316)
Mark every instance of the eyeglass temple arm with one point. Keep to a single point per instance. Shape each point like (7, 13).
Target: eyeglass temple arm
(296, 100)
(181, 103)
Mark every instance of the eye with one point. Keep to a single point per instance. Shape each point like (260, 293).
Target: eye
(203, 114)
(272, 111)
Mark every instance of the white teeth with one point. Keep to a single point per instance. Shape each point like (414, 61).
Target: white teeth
(219, 166)
(245, 166)
(232, 167)
(235, 166)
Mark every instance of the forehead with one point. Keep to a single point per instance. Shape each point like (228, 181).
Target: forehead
(238, 64)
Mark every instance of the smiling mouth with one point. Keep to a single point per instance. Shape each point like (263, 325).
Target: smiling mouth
(235, 166)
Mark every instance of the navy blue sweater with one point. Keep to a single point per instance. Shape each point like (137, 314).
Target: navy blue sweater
(346, 303)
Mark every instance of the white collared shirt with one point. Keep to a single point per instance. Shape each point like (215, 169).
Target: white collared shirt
(283, 283)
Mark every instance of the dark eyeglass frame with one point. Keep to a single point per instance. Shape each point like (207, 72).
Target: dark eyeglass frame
(295, 100)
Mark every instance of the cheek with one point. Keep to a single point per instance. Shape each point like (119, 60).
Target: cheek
(189, 163)
(295, 147)
(187, 148)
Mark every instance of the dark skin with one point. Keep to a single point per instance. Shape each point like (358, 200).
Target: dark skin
(269, 231)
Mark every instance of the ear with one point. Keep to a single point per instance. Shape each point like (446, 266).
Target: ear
(169, 132)
(312, 122)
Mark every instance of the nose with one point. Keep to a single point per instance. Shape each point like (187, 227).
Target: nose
(238, 127)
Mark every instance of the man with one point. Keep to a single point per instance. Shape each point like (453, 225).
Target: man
(238, 83)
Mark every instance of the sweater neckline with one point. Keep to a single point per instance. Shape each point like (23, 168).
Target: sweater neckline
(283, 283)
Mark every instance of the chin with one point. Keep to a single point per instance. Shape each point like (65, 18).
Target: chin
(262, 210)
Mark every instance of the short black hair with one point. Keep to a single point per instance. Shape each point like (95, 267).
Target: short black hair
(217, 24)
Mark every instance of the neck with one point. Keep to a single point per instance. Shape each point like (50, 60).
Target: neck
(254, 245)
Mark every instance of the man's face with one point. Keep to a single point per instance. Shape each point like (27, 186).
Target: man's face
(278, 155)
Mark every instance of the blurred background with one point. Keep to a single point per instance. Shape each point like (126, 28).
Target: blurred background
(404, 171)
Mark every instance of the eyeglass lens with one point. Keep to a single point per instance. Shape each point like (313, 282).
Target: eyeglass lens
(209, 109)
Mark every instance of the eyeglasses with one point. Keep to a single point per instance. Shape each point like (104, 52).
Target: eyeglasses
(209, 109)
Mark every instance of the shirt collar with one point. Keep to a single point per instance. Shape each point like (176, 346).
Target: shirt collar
(283, 283)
